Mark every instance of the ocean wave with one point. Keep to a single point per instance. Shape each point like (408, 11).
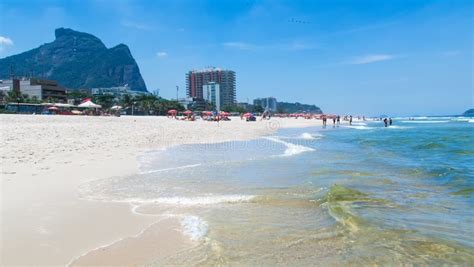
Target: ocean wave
(194, 227)
(291, 149)
(398, 127)
(359, 124)
(309, 136)
(184, 201)
(172, 169)
(425, 121)
(471, 121)
(360, 127)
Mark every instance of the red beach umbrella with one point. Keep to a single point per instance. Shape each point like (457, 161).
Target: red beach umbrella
(206, 113)
(172, 111)
(187, 112)
(248, 114)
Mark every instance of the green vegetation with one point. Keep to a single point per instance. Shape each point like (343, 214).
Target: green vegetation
(233, 108)
(284, 107)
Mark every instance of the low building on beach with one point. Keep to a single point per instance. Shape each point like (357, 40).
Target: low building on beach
(40, 89)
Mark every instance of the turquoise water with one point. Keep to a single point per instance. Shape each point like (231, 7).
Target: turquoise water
(360, 195)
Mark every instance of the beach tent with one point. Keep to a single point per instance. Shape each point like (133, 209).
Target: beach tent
(89, 104)
(248, 114)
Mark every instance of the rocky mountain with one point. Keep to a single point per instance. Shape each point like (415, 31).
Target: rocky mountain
(77, 60)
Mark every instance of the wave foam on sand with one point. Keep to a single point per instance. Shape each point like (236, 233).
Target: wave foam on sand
(172, 169)
(291, 149)
(194, 227)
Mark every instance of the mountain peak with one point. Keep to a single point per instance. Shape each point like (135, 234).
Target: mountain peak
(78, 60)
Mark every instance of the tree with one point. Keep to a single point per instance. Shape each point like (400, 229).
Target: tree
(106, 101)
(233, 108)
(258, 109)
(14, 96)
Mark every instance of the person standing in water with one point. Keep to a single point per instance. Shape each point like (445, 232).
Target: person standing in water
(385, 121)
(390, 121)
(350, 120)
(338, 119)
(324, 121)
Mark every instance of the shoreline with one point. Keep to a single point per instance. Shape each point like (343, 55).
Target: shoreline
(59, 233)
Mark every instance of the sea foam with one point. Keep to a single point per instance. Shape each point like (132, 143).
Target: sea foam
(360, 127)
(291, 149)
(190, 201)
(309, 136)
(425, 121)
(172, 169)
(194, 227)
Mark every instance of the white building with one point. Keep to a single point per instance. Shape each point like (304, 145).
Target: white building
(117, 91)
(267, 103)
(212, 93)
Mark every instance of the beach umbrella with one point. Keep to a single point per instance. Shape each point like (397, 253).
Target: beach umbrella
(187, 112)
(172, 111)
(89, 104)
(225, 114)
(206, 113)
(248, 114)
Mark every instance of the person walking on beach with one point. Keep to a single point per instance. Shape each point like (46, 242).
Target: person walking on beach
(350, 120)
(385, 121)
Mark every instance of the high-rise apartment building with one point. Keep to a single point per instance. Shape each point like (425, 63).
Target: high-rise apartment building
(212, 93)
(197, 79)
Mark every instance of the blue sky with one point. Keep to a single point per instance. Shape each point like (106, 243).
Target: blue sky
(359, 57)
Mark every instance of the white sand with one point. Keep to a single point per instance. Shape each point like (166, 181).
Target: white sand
(45, 158)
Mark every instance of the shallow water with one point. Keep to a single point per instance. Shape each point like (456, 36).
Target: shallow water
(364, 194)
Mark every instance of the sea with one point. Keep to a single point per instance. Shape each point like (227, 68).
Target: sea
(341, 195)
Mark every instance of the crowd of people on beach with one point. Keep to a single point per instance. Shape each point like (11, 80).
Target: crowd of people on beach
(267, 115)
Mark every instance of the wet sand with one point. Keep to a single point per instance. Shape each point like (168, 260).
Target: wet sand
(44, 160)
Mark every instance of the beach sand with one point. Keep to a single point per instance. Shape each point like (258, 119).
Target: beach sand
(45, 158)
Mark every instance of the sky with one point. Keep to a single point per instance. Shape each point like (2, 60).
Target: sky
(396, 57)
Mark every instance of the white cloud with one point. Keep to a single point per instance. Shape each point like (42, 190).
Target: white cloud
(367, 59)
(4, 41)
(240, 45)
(135, 25)
(451, 53)
(161, 54)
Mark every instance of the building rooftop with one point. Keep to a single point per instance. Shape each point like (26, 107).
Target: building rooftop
(209, 69)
